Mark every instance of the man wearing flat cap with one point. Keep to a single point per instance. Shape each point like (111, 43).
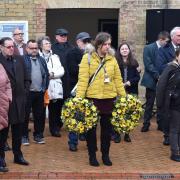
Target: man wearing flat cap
(60, 47)
(74, 57)
(61, 32)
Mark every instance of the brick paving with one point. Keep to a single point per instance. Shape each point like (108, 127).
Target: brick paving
(144, 158)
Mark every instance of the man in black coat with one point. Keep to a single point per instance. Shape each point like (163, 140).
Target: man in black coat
(165, 55)
(61, 48)
(15, 68)
(151, 76)
(74, 57)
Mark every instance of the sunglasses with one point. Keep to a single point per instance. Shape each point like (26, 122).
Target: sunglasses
(8, 47)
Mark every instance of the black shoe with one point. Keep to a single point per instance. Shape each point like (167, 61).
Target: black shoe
(20, 160)
(93, 161)
(159, 128)
(117, 138)
(166, 141)
(3, 165)
(3, 162)
(145, 128)
(3, 169)
(72, 147)
(56, 134)
(175, 157)
(106, 160)
(39, 139)
(6, 147)
(82, 137)
(127, 138)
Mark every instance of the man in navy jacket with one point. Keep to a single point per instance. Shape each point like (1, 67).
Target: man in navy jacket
(39, 75)
(150, 77)
(165, 55)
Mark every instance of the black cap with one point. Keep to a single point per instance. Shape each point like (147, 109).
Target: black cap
(82, 36)
(61, 32)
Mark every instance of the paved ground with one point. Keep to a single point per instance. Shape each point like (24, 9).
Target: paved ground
(144, 158)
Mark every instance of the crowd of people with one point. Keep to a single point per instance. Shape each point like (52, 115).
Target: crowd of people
(39, 74)
(161, 61)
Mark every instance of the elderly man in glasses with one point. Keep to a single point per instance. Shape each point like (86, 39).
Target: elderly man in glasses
(18, 49)
(19, 45)
(15, 69)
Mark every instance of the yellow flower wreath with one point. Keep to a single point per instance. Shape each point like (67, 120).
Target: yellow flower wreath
(79, 115)
(126, 113)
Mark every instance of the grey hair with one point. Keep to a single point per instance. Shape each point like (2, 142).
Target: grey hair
(40, 41)
(173, 31)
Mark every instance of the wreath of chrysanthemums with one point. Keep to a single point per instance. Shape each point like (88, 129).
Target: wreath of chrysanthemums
(126, 113)
(79, 115)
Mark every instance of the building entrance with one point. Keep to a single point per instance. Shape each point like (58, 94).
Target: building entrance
(78, 20)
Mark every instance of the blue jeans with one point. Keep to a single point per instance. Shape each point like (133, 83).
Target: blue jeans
(73, 138)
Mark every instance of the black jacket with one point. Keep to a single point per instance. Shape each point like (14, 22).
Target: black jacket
(168, 88)
(133, 76)
(19, 79)
(74, 57)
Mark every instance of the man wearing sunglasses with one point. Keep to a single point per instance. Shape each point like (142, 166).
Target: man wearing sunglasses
(15, 68)
(61, 46)
(19, 45)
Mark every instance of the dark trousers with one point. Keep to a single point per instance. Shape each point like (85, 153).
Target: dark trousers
(175, 132)
(105, 136)
(16, 130)
(166, 116)
(150, 99)
(73, 138)
(55, 122)
(35, 100)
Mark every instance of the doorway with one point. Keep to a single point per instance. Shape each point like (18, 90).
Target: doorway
(78, 20)
(110, 26)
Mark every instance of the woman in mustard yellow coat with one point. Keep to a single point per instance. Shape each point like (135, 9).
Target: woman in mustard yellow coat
(104, 89)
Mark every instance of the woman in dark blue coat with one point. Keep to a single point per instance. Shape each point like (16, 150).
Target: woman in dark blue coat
(130, 73)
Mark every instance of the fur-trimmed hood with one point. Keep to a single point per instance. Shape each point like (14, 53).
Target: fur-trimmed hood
(89, 48)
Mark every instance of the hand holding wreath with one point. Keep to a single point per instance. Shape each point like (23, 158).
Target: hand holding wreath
(126, 113)
(79, 115)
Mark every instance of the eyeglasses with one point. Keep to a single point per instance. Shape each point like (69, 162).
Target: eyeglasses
(19, 34)
(8, 47)
(48, 43)
(33, 48)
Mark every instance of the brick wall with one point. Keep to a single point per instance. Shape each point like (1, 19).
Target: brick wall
(132, 22)
(173, 4)
(131, 15)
